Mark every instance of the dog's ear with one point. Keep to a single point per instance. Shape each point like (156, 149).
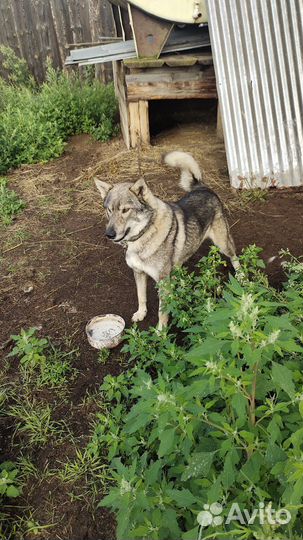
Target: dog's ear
(141, 190)
(103, 187)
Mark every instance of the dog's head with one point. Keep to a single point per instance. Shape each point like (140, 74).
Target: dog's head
(128, 208)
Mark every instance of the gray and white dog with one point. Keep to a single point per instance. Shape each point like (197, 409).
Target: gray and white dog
(159, 235)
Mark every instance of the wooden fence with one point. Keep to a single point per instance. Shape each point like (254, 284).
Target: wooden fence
(38, 29)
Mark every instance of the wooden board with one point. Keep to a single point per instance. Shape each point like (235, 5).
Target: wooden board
(119, 81)
(139, 123)
(186, 83)
(172, 60)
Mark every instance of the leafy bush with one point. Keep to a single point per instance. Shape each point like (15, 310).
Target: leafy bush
(14, 69)
(213, 418)
(40, 360)
(10, 203)
(35, 123)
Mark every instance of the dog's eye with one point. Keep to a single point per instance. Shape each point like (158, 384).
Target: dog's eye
(125, 210)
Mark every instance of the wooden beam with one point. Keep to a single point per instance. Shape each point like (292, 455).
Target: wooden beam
(134, 123)
(119, 81)
(144, 122)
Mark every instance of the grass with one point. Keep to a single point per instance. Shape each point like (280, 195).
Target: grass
(33, 422)
(10, 203)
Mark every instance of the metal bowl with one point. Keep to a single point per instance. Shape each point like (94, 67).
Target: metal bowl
(105, 331)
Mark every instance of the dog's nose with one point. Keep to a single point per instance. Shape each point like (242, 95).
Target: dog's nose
(110, 233)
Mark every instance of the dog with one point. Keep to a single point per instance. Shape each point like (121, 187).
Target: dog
(159, 235)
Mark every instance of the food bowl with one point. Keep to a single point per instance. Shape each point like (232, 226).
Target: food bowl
(105, 331)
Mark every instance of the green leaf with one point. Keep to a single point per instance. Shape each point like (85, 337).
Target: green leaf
(182, 497)
(239, 404)
(274, 454)
(12, 491)
(192, 534)
(199, 465)
(228, 475)
(211, 346)
(283, 378)
(167, 442)
(251, 469)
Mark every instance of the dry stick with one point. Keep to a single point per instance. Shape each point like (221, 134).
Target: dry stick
(11, 248)
(80, 230)
(234, 223)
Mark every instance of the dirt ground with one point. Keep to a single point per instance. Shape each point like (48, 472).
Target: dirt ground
(58, 270)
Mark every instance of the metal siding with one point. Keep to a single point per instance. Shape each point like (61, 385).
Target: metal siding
(257, 49)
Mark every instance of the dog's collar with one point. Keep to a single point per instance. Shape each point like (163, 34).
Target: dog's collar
(134, 238)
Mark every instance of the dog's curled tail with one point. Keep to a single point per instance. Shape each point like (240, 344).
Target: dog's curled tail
(190, 171)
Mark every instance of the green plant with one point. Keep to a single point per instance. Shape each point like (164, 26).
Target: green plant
(41, 360)
(33, 419)
(10, 203)
(213, 417)
(9, 485)
(34, 124)
(14, 69)
(103, 356)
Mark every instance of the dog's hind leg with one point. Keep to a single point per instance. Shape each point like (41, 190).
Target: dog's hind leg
(220, 235)
(141, 283)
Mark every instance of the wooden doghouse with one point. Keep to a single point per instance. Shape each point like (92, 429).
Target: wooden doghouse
(171, 77)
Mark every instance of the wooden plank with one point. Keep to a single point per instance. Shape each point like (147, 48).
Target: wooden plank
(168, 83)
(166, 74)
(179, 90)
(171, 60)
(119, 81)
(134, 123)
(144, 122)
(134, 63)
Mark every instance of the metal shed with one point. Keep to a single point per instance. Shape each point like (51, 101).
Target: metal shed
(257, 49)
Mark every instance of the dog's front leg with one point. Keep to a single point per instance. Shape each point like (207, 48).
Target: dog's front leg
(162, 316)
(141, 282)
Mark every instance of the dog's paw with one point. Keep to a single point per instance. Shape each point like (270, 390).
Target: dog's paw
(139, 315)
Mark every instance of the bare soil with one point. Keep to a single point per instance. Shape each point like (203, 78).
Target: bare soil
(56, 249)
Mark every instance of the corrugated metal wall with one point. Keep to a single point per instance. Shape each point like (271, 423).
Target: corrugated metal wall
(258, 55)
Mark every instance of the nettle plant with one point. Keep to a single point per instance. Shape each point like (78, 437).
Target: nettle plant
(213, 415)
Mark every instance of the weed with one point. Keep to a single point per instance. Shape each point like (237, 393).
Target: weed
(41, 361)
(10, 203)
(248, 196)
(9, 480)
(103, 356)
(34, 421)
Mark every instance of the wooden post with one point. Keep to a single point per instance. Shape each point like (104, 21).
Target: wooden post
(119, 80)
(138, 123)
(144, 122)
